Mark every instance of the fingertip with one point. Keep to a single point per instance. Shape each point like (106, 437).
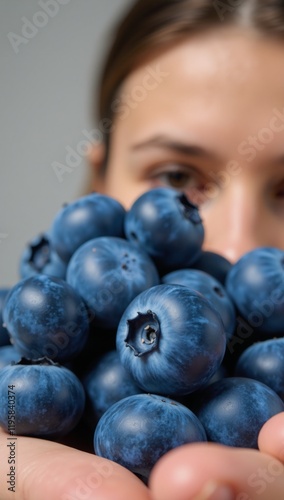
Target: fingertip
(172, 474)
(183, 472)
(271, 437)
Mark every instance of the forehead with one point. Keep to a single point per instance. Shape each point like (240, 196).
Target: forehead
(226, 80)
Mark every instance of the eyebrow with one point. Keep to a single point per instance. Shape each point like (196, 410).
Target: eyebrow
(164, 142)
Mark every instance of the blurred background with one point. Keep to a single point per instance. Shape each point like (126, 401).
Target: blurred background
(51, 51)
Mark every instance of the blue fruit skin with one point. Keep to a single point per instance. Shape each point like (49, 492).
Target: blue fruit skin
(108, 273)
(138, 430)
(8, 353)
(4, 334)
(171, 340)
(86, 218)
(234, 409)
(46, 317)
(211, 289)
(214, 264)
(264, 361)
(39, 257)
(105, 384)
(167, 226)
(256, 286)
(49, 400)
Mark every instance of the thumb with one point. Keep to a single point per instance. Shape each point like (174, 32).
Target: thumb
(196, 471)
(47, 470)
(271, 437)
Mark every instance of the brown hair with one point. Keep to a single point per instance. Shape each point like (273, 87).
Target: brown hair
(153, 24)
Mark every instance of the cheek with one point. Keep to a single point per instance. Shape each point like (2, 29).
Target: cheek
(212, 221)
(274, 233)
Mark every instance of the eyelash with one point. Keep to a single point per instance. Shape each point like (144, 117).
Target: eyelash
(180, 176)
(280, 190)
(186, 178)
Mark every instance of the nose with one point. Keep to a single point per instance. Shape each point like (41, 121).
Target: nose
(236, 221)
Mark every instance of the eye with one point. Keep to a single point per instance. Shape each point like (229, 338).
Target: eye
(279, 192)
(183, 177)
(176, 179)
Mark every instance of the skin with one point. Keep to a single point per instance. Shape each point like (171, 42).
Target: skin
(219, 94)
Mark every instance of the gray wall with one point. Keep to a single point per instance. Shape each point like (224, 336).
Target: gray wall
(48, 62)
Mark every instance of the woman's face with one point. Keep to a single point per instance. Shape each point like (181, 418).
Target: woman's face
(207, 117)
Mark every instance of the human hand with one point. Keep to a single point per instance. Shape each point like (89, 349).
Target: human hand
(193, 471)
(48, 470)
(51, 470)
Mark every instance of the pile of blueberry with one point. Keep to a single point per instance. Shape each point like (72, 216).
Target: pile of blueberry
(121, 321)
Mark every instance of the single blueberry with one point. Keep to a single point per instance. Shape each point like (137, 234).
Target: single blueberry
(138, 430)
(264, 361)
(256, 286)
(171, 339)
(108, 273)
(88, 217)
(45, 399)
(167, 226)
(45, 316)
(234, 409)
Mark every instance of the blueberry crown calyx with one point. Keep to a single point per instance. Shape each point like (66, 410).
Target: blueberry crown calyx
(143, 333)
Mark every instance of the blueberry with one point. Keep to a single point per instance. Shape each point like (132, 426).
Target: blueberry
(108, 273)
(39, 257)
(88, 217)
(168, 226)
(211, 289)
(46, 317)
(256, 286)
(234, 409)
(264, 361)
(171, 340)
(136, 431)
(4, 334)
(40, 398)
(214, 264)
(243, 337)
(8, 353)
(106, 383)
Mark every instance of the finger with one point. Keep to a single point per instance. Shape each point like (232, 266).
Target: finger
(197, 470)
(48, 470)
(271, 437)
